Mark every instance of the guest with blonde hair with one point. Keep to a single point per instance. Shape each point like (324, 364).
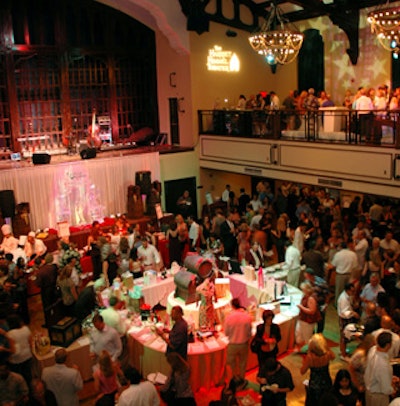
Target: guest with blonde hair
(358, 364)
(67, 286)
(317, 361)
(106, 380)
(308, 317)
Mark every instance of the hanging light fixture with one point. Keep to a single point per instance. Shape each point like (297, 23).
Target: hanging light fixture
(385, 23)
(275, 41)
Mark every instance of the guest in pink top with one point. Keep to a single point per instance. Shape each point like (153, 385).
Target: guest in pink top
(106, 380)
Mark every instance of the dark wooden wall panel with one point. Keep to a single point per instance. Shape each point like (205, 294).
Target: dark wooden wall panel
(60, 60)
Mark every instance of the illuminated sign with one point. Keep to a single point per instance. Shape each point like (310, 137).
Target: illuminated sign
(222, 61)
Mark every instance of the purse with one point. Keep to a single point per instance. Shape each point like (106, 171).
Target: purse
(254, 345)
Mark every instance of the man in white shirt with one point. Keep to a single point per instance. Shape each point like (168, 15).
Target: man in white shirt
(292, 264)
(378, 374)
(275, 103)
(104, 337)
(389, 243)
(347, 315)
(387, 327)
(112, 318)
(194, 229)
(63, 381)
(257, 218)
(360, 247)
(34, 247)
(225, 193)
(138, 393)
(149, 256)
(364, 106)
(344, 262)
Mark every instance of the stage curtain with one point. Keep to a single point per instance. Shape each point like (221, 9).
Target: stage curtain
(110, 177)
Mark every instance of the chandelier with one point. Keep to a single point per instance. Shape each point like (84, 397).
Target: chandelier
(386, 25)
(277, 43)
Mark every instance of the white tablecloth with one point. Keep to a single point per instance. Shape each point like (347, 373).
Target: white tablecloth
(158, 292)
(152, 294)
(191, 311)
(78, 354)
(249, 294)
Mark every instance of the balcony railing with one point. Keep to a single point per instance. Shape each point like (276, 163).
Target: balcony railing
(333, 124)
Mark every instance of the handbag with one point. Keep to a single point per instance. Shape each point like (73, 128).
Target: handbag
(254, 345)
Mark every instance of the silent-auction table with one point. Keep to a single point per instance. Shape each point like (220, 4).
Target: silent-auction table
(207, 357)
(78, 351)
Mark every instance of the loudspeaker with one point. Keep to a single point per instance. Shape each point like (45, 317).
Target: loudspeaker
(41, 158)
(88, 153)
(7, 203)
(143, 179)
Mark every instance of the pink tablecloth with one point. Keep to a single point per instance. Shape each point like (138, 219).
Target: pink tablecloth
(206, 359)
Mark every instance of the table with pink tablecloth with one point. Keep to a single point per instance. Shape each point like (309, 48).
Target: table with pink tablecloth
(206, 358)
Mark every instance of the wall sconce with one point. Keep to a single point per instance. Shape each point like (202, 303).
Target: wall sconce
(172, 79)
(180, 108)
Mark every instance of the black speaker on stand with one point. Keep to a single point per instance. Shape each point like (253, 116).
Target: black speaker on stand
(143, 179)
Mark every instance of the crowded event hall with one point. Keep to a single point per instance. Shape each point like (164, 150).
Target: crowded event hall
(199, 202)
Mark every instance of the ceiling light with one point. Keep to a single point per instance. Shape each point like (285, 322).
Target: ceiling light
(276, 42)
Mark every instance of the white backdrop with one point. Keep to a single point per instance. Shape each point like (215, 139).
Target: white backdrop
(110, 177)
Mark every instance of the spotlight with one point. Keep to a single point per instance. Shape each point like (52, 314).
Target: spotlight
(270, 59)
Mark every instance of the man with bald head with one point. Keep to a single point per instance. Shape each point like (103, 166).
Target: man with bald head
(386, 327)
(63, 381)
(372, 321)
(177, 337)
(371, 290)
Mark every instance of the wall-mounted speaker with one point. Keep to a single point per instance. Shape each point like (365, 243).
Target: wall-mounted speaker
(143, 179)
(41, 158)
(88, 153)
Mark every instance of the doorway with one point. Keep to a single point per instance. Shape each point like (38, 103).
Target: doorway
(174, 190)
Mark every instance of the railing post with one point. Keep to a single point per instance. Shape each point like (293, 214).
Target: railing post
(397, 132)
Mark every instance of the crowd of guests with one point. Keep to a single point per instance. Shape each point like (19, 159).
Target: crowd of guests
(339, 252)
(346, 254)
(367, 102)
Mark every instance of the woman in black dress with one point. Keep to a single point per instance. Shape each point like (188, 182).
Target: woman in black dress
(174, 245)
(317, 360)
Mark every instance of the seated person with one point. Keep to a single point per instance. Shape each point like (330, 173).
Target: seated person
(9, 243)
(34, 247)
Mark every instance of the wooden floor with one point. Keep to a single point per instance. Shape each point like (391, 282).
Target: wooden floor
(291, 361)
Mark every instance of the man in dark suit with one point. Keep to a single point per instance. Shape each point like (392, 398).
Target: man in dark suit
(228, 237)
(244, 199)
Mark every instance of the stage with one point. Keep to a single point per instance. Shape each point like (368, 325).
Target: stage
(77, 190)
